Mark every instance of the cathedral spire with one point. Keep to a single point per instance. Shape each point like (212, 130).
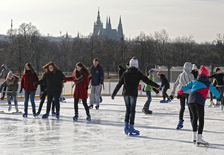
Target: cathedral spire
(120, 29)
(109, 24)
(98, 17)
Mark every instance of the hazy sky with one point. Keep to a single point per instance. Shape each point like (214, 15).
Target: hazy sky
(203, 19)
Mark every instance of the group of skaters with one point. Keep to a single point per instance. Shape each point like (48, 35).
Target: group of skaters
(193, 89)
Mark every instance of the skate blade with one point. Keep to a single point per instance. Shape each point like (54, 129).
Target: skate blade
(17, 112)
(202, 145)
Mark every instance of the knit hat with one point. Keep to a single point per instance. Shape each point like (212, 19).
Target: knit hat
(194, 67)
(151, 72)
(134, 62)
(159, 73)
(204, 70)
(217, 69)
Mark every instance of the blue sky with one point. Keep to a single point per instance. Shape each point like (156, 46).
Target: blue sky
(201, 18)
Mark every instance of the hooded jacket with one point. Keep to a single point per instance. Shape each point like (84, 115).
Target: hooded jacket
(199, 90)
(130, 78)
(11, 88)
(184, 77)
(5, 72)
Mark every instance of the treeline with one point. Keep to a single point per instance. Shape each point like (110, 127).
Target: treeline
(26, 44)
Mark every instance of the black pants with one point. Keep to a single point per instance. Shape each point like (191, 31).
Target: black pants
(164, 93)
(198, 114)
(84, 104)
(56, 101)
(220, 88)
(211, 96)
(183, 99)
(42, 99)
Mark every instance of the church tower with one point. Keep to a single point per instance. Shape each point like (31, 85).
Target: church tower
(120, 29)
(98, 25)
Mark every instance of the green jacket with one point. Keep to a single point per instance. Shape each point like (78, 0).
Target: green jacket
(148, 87)
(12, 88)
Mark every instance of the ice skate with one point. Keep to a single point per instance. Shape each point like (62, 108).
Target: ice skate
(126, 128)
(37, 114)
(132, 131)
(211, 104)
(25, 115)
(91, 107)
(57, 115)
(45, 115)
(194, 136)
(168, 100)
(97, 107)
(101, 99)
(75, 118)
(180, 124)
(201, 142)
(53, 113)
(88, 118)
(163, 101)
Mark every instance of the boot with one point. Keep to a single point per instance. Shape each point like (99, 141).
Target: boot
(194, 136)
(126, 128)
(180, 124)
(163, 101)
(57, 115)
(75, 118)
(201, 142)
(25, 113)
(88, 118)
(45, 115)
(34, 112)
(132, 131)
(53, 113)
(90, 107)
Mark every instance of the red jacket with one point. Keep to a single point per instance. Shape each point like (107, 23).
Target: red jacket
(27, 81)
(80, 89)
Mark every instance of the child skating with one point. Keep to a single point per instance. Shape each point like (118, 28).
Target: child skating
(165, 85)
(199, 91)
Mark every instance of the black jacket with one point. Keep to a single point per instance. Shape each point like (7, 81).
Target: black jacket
(195, 73)
(53, 82)
(97, 75)
(218, 77)
(165, 82)
(121, 71)
(130, 79)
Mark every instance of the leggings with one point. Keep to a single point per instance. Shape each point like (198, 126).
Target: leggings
(198, 114)
(84, 104)
(183, 98)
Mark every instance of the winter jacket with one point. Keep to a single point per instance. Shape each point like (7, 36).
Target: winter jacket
(199, 90)
(184, 78)
(149, 87)
(219, 78)
(130, 79)
(11, 88)
(5, 72)
(195, 73)
(97, 73)
(165, 83)
(27, 81)
(81, 88)
(53, 82)
(121, 71)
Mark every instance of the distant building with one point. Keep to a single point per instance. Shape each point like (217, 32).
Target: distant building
(98, 29)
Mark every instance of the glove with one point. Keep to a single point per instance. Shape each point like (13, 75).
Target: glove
(112, 97)
(21, 90)
(156, 90)
(160, 88)
(178, 96)
(171, 97)
(87, 87)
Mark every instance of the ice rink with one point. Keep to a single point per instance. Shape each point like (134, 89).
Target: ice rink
(105, 133)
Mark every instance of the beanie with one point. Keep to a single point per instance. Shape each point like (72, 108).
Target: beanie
(194, 67)
(151, 71)
(217, 69)
(204, 70)
(134, 62)
(159, 73)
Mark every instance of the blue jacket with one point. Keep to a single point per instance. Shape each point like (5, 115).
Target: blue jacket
(199, 90)
(97, 75)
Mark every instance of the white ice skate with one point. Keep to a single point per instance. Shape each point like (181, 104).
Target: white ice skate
(194, 137)
(211, 104)
(201, 142)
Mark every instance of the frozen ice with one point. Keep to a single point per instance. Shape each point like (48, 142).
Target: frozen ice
(105, 133)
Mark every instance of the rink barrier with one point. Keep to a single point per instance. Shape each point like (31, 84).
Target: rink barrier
(107, 90)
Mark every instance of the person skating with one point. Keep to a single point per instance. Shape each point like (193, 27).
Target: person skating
(183, 78)
(54, 81)
(199, 91)
(165, 85)
(81, 79)
(211, 95)
(4, 74)
(194, 71)
(148, 89)
(11, 83)
(28, 79)
(130, 79)
(97, 78)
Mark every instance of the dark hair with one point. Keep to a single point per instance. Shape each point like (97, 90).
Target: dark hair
(46, 67)
(127, 63)
(84, 69)
(96, 59)
(217, 69)
(30, 66)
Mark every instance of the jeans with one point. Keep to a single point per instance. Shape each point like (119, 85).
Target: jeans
(130, 102)
(95, 95)
(149, 97)
(56, 101)
(32, 96)
(9, 100)
(198, 114)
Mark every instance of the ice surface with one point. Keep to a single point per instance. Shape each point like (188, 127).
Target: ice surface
(105, 133)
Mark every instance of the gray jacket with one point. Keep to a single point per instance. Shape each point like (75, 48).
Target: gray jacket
(184, 77)
(5, 72)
